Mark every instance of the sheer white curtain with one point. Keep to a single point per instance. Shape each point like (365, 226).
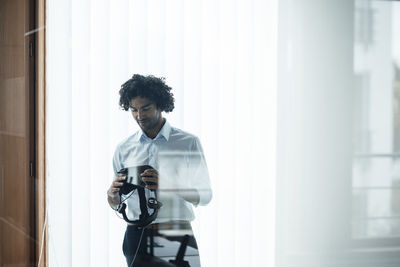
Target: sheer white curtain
(220, 59)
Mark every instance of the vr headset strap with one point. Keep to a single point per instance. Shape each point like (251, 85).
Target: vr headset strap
(144, 218)
(143, 205)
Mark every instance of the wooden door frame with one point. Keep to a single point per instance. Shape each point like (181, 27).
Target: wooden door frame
(40, 133)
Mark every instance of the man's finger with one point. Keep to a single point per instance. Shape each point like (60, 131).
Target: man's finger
(149, 175)
(118, 184)
(149, 179)
(149, 171)
(121, 178)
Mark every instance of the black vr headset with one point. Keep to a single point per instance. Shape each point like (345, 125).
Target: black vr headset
(133, 182)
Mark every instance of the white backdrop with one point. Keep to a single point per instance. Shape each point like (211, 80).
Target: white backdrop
(220, 59)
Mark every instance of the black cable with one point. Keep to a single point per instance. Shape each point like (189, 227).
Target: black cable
(138, 246)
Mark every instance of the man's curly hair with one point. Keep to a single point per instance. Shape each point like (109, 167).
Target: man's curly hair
(150, 87)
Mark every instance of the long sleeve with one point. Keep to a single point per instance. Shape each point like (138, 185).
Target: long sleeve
(116, 161)
(198, 172)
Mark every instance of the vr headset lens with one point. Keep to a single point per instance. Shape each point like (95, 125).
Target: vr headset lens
(133, 178)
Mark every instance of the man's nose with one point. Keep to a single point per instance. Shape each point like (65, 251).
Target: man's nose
(140, 115)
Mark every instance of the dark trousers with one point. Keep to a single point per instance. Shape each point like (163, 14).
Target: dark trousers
(131, 245)
(140, 254)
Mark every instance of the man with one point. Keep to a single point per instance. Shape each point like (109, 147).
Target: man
(179, 172)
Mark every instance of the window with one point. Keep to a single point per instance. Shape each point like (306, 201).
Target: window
(376, 128)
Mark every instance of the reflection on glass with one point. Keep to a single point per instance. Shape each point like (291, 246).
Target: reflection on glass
(376, 228)
(160, 174)
(376, 163)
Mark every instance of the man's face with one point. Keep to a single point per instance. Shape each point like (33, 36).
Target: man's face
(146, 113)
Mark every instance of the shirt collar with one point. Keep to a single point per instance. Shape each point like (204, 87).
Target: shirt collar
(164, 132)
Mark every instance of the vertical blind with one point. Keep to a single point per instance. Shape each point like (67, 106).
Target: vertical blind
(220, 59)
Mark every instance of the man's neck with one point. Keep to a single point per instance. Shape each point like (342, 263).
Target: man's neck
(154, 132)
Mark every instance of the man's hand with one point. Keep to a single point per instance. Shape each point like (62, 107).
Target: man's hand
(113, 192)
(150, 177)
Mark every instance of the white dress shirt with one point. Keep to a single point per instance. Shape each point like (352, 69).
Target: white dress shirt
(178, 158)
